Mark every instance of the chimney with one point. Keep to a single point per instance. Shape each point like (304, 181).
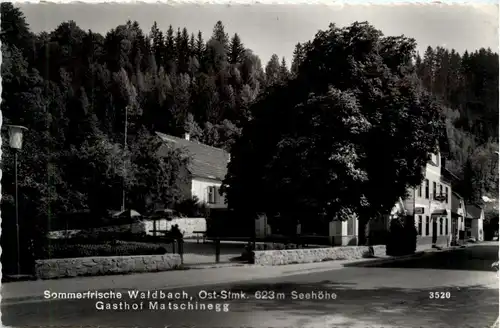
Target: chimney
(186, 136)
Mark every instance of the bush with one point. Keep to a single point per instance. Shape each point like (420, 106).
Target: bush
(192, 207)
(402, 237)
(116, 248)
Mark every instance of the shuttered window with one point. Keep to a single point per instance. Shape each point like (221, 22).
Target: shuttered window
(214, 196)
(211, 194)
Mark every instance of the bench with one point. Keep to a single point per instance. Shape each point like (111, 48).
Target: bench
(202, 234)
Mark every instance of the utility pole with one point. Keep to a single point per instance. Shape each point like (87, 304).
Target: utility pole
(124, 161)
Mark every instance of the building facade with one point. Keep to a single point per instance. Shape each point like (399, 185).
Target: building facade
(206, 170)
(430, 205)
(474, 220)
(457, 217)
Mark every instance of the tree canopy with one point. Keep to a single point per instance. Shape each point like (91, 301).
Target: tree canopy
(349, 134)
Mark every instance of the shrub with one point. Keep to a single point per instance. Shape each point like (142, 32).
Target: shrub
(192, 207)
(402, 237)
(116, 248)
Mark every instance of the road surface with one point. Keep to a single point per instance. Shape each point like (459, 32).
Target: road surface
(449, 289)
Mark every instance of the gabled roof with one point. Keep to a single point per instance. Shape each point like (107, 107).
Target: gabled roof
(206, 161)
(473, 211)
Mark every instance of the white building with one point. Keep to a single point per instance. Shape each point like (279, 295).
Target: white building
(430, 205)
(206, 171)
(474, 220)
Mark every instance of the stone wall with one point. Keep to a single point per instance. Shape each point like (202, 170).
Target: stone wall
(99, 266)
(293, 256)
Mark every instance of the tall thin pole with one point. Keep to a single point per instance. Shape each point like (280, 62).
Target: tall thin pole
(124, 162)
(17, 216)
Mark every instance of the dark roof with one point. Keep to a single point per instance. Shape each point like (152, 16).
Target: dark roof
(448, 174)
(473, 211)
(206, 161)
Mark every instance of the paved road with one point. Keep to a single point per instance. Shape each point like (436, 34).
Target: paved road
(464, 293)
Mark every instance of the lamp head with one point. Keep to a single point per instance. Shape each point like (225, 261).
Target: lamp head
(16, 136)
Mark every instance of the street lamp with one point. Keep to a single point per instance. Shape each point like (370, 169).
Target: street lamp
(16, 143)
(124, 162)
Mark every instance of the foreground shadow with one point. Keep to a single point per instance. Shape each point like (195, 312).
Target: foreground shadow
(477, 258)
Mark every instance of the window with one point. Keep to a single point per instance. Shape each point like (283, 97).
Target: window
(446, 194)
(441, 222)
(440, 189)
(446, 227)
(434, 190)
(350, 227)
(426, 188)
(420, 225)
(212, 195)
(420, 190)
(427, 224)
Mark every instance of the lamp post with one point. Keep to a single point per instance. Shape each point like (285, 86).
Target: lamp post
(16, 143)
(124, 162)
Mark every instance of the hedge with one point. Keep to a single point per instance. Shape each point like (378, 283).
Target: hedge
(57, 250)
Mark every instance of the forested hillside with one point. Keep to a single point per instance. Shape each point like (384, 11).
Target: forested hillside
(467, 84)
(73, 89)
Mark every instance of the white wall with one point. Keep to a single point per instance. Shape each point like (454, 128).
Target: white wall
(186, 225)
(199, 188)
(344, 232)
(477, 230)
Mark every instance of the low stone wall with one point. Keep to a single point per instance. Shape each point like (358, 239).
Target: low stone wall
(293, 256)
(99, 266)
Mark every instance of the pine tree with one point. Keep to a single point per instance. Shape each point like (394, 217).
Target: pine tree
(284, 74)
(170, 50)
(236, 50)
(200, 47)
(297, 59)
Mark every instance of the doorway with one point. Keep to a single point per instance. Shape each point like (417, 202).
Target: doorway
(434, 230)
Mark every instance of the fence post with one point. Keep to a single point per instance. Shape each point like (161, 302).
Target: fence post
(181, 249)
(217, 250)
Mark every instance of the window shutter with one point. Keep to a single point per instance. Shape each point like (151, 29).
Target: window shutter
(211, 195)
(216, 195)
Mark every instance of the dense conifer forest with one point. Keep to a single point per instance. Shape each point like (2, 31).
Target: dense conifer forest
(73, 88)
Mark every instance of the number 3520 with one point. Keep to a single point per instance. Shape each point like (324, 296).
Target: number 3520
(439, 295)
